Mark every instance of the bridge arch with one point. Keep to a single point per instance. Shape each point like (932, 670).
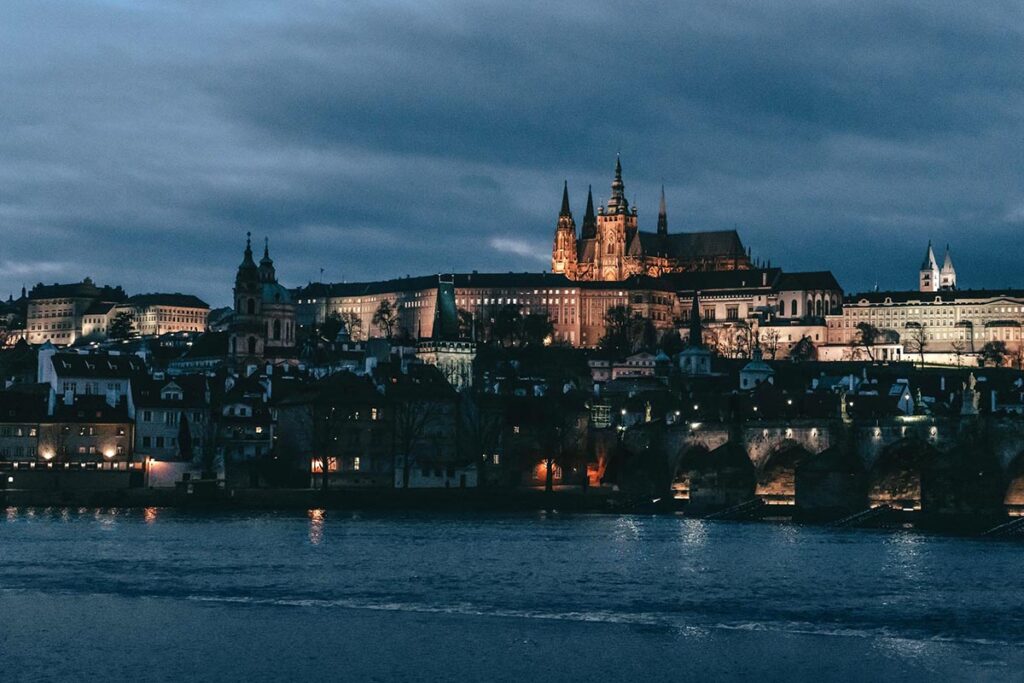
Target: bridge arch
(831, 484)
(963, 481)
(1013, 499)
(715, 479)
(776, 477)
(895, 477)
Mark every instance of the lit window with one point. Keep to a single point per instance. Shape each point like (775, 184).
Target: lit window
(355, 463)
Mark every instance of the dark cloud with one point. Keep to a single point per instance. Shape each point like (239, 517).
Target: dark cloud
(141, 140)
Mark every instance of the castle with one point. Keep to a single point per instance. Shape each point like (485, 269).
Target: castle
(610, 246)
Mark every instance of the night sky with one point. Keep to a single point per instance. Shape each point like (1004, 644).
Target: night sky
(141, 139)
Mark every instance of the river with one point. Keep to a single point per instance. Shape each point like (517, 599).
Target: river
(160, 594)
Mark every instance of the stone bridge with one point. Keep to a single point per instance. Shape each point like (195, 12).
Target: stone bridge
(966, 465)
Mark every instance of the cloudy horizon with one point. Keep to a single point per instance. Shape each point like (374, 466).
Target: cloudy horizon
(142, 140)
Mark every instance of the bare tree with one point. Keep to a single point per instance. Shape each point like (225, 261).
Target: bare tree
(867, 337)
(917, 340)
(411, 417)
(561, 432)
(482, 421)
(769, 342)
(959, 346)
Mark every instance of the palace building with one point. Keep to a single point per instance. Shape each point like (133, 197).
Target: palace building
(938, 321)
(611, 247)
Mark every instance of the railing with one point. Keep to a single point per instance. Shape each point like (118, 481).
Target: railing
(860, 517)
(1012, 528)
(743, 510)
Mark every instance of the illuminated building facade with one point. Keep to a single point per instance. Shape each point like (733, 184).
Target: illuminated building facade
(56, 312)
(611, 247)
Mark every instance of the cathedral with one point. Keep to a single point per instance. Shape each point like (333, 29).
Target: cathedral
(610, 246)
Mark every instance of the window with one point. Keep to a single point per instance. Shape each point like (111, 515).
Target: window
(147, 416)
(792, 307)
(159, 442)
(732, 313)
(355, 463)
(709, 313)
(146, 442)
(171, 418)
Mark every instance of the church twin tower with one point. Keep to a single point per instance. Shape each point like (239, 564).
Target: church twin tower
(610, 247)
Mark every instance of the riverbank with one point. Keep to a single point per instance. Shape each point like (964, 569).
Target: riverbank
(462, 501)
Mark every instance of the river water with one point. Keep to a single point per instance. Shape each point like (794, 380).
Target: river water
(160, 594)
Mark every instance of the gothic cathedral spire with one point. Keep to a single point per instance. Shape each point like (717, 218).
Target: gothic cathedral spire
(563, 256)
(589, 218)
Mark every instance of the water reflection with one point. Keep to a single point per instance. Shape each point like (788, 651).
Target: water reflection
(904, 554)
(694, 532)
(149, 515)
(316, 526)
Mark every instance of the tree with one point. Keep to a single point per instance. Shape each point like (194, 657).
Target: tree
(803, 350)
(122, 325)
(867, 337)
(412, 413)
(993, 352)
(386, 318)
(507, 326)
(769, 342)
(917, 340)
(959, 346)
(466, 324)
(331, 325)
(537, 328)
(354, 324)
(622, 327)
(184, 439)
(561, 431)
(482, 421)
(1017, 356)
(670, 342)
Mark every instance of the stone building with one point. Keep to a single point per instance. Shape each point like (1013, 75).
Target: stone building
(263, 325)
(152, 315)
(447, 349)
(172, 418)
(949, 322)
(55, 312)
(577, 308)
(611, 247)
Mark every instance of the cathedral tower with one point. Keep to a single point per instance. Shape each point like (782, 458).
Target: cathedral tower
(616, 224)
(947, 276)
(929, 279)
(264, 319)
(563, 256)
(246, 328)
